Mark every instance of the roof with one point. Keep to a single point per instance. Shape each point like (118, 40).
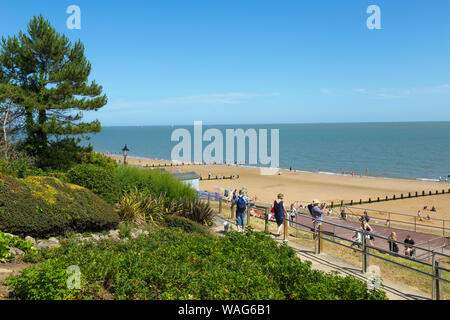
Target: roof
(185, 175)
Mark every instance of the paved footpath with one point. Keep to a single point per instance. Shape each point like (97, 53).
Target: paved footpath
(326, 263)
(383, 230)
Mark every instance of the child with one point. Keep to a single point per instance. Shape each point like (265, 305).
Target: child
(292, 215)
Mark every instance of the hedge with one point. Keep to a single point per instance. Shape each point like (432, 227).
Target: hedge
(45, 206)
(100, 180)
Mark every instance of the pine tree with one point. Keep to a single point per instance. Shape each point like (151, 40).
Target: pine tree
(47, 76)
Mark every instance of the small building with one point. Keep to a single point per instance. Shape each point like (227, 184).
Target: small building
(189, 178)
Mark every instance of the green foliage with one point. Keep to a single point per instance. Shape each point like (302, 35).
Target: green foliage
(102, 181)
(140, 209)
(124, 230)
(45, 206)
(19, 165)
(171, 264)
(63, 154)
(154, 182)
(46, 282)
(47, 77)
(99, 160)
(7, 241)
(174, 221)
(199, 212)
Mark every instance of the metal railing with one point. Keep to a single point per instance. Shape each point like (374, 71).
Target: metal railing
(415, 226)
(365, 248)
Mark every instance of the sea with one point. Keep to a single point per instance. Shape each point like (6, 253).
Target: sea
(410, 150)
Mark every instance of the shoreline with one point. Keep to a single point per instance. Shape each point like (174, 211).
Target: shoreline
(119, 157)
(303, 186)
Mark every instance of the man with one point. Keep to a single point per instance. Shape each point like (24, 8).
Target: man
(241, 206)
(409, 251)
(317, 214)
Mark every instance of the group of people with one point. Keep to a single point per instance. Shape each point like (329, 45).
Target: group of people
(317, 211)
(409, 242)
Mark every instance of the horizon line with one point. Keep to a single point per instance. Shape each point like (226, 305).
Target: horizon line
(284, 123)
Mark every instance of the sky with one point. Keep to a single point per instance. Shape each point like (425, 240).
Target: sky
(170, 62)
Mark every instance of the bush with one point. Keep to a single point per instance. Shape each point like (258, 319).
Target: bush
(45, 206)
(170, 264)
(99, 160)
(63, 154)
(189, 226)
(19, 165)
(154, 182)
(7, 241)
(140, 209)
(102, 181)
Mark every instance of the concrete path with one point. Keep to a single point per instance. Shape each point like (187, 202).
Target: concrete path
(326, 263)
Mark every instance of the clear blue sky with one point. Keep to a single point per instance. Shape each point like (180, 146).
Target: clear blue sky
(256, 61)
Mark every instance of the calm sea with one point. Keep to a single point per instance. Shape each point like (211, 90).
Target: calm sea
(419, 150)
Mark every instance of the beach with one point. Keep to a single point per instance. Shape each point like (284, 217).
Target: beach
(303, 187)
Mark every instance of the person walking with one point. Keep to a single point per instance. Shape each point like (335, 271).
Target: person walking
(292, 215)
(393, 247)
(241, 207)
(279, 212)
(317, 214)
(366, 226)
(409, 251)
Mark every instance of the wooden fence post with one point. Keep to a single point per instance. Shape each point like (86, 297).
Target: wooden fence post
(285, 236)
(320, 239)
(220, 204)
(365, 257)
(248, 214)
(266, 225)
(437, 283)
(231, 211)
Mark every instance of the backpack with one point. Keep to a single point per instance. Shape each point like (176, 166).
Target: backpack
(241, 204)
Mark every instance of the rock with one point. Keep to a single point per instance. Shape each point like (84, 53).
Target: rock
(16, 252)
(95, 236)
(11, 235)
(54, 240)
(47, 244)
(114, 234)
(31, 239)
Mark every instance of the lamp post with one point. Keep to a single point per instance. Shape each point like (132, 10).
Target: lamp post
(125, 154)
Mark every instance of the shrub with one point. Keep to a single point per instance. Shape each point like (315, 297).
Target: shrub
(154, 182)
(174, 221)
(19, 165)
(139, 208)
(102, 181)
(171, 264)
(63, 154)
(99, 160)
(45, 206)
(7, 241)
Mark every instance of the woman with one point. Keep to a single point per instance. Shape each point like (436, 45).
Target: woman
(393, 247)
(279, 212)
(368, 228)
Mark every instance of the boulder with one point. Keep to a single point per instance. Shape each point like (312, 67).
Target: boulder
(47, 244)
(31, 239)
(16, 252)
(114, 234)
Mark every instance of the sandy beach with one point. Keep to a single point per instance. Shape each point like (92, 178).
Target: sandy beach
(305, 186)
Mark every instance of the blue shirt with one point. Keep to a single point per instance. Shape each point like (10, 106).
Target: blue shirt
(316, 212)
